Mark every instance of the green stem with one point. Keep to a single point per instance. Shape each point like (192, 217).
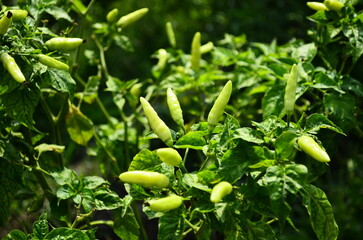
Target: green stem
(136, 211)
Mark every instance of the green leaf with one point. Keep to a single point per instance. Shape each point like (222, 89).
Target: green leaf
(285, 145)
(273, 101)
(66, 191)
(10, 178)
(194, 140)
(64, 233)
(21, 104)
(44, 147)
(341, 109)
(248, 134)
(259, 231)
(305, 53)
(320, 212)
(234, 163)
(58, 13)
(66, 176)
(40, 227)
(171, 225)
(265, 163)
(145, 159)
(316, 121)
(323, 81)
(123, 42)
(105, 199)
(79, 127)
(60, 80)
(125, 224)
(92, 182)
(192, 180)
(283, 180)
(15, 235)
(353, 85)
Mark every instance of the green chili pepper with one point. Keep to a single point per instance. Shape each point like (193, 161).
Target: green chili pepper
(156, 124)
(5, 22)
(333, 5)
(163, 58)
(171, 35)
(11, 66)
(169, 156)
(18, 14)
(217, 110)
(174, 107)
(313, 149)
(220, 190)
(145, 178)
(165, 204)
(290, 91)
(52, 62)
(64, 43)
(206, 48)
(112, 15)
(195, 52)
(130, 18)
(317, 6)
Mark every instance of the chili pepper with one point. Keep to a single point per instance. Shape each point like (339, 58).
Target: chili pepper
(130, 18)
(135, 90)
(52, 62)
(64, 43)
(170, 33)
(290, 91)
(145, 178)
(317, 6)
(11, 66)
(206, 48)
(166, 203)
(313, 149)
(333, 5)
(156, 124)
(18, 14)
(220, 190)
(195, 52)
(163, 58)
(217, 110)
(174, 107)
(5, 22)
(169, 156)
(112, 15)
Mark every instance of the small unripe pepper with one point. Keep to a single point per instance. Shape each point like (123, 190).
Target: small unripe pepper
(163, 58)
(5, 22)
(290, 90)
(18, 14)
(52, 62)
(169, 156)
(174, 107)
(217, 110)
(112, 15)
(145, 178)
(11, 66)
(333, 5)
(156, 124)
(220, 190)
(195, 52)
(317, 6)
(130, 18)
(206, 48)
(64, 43)
(171, 35)
(166, 203)
(313, 149)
